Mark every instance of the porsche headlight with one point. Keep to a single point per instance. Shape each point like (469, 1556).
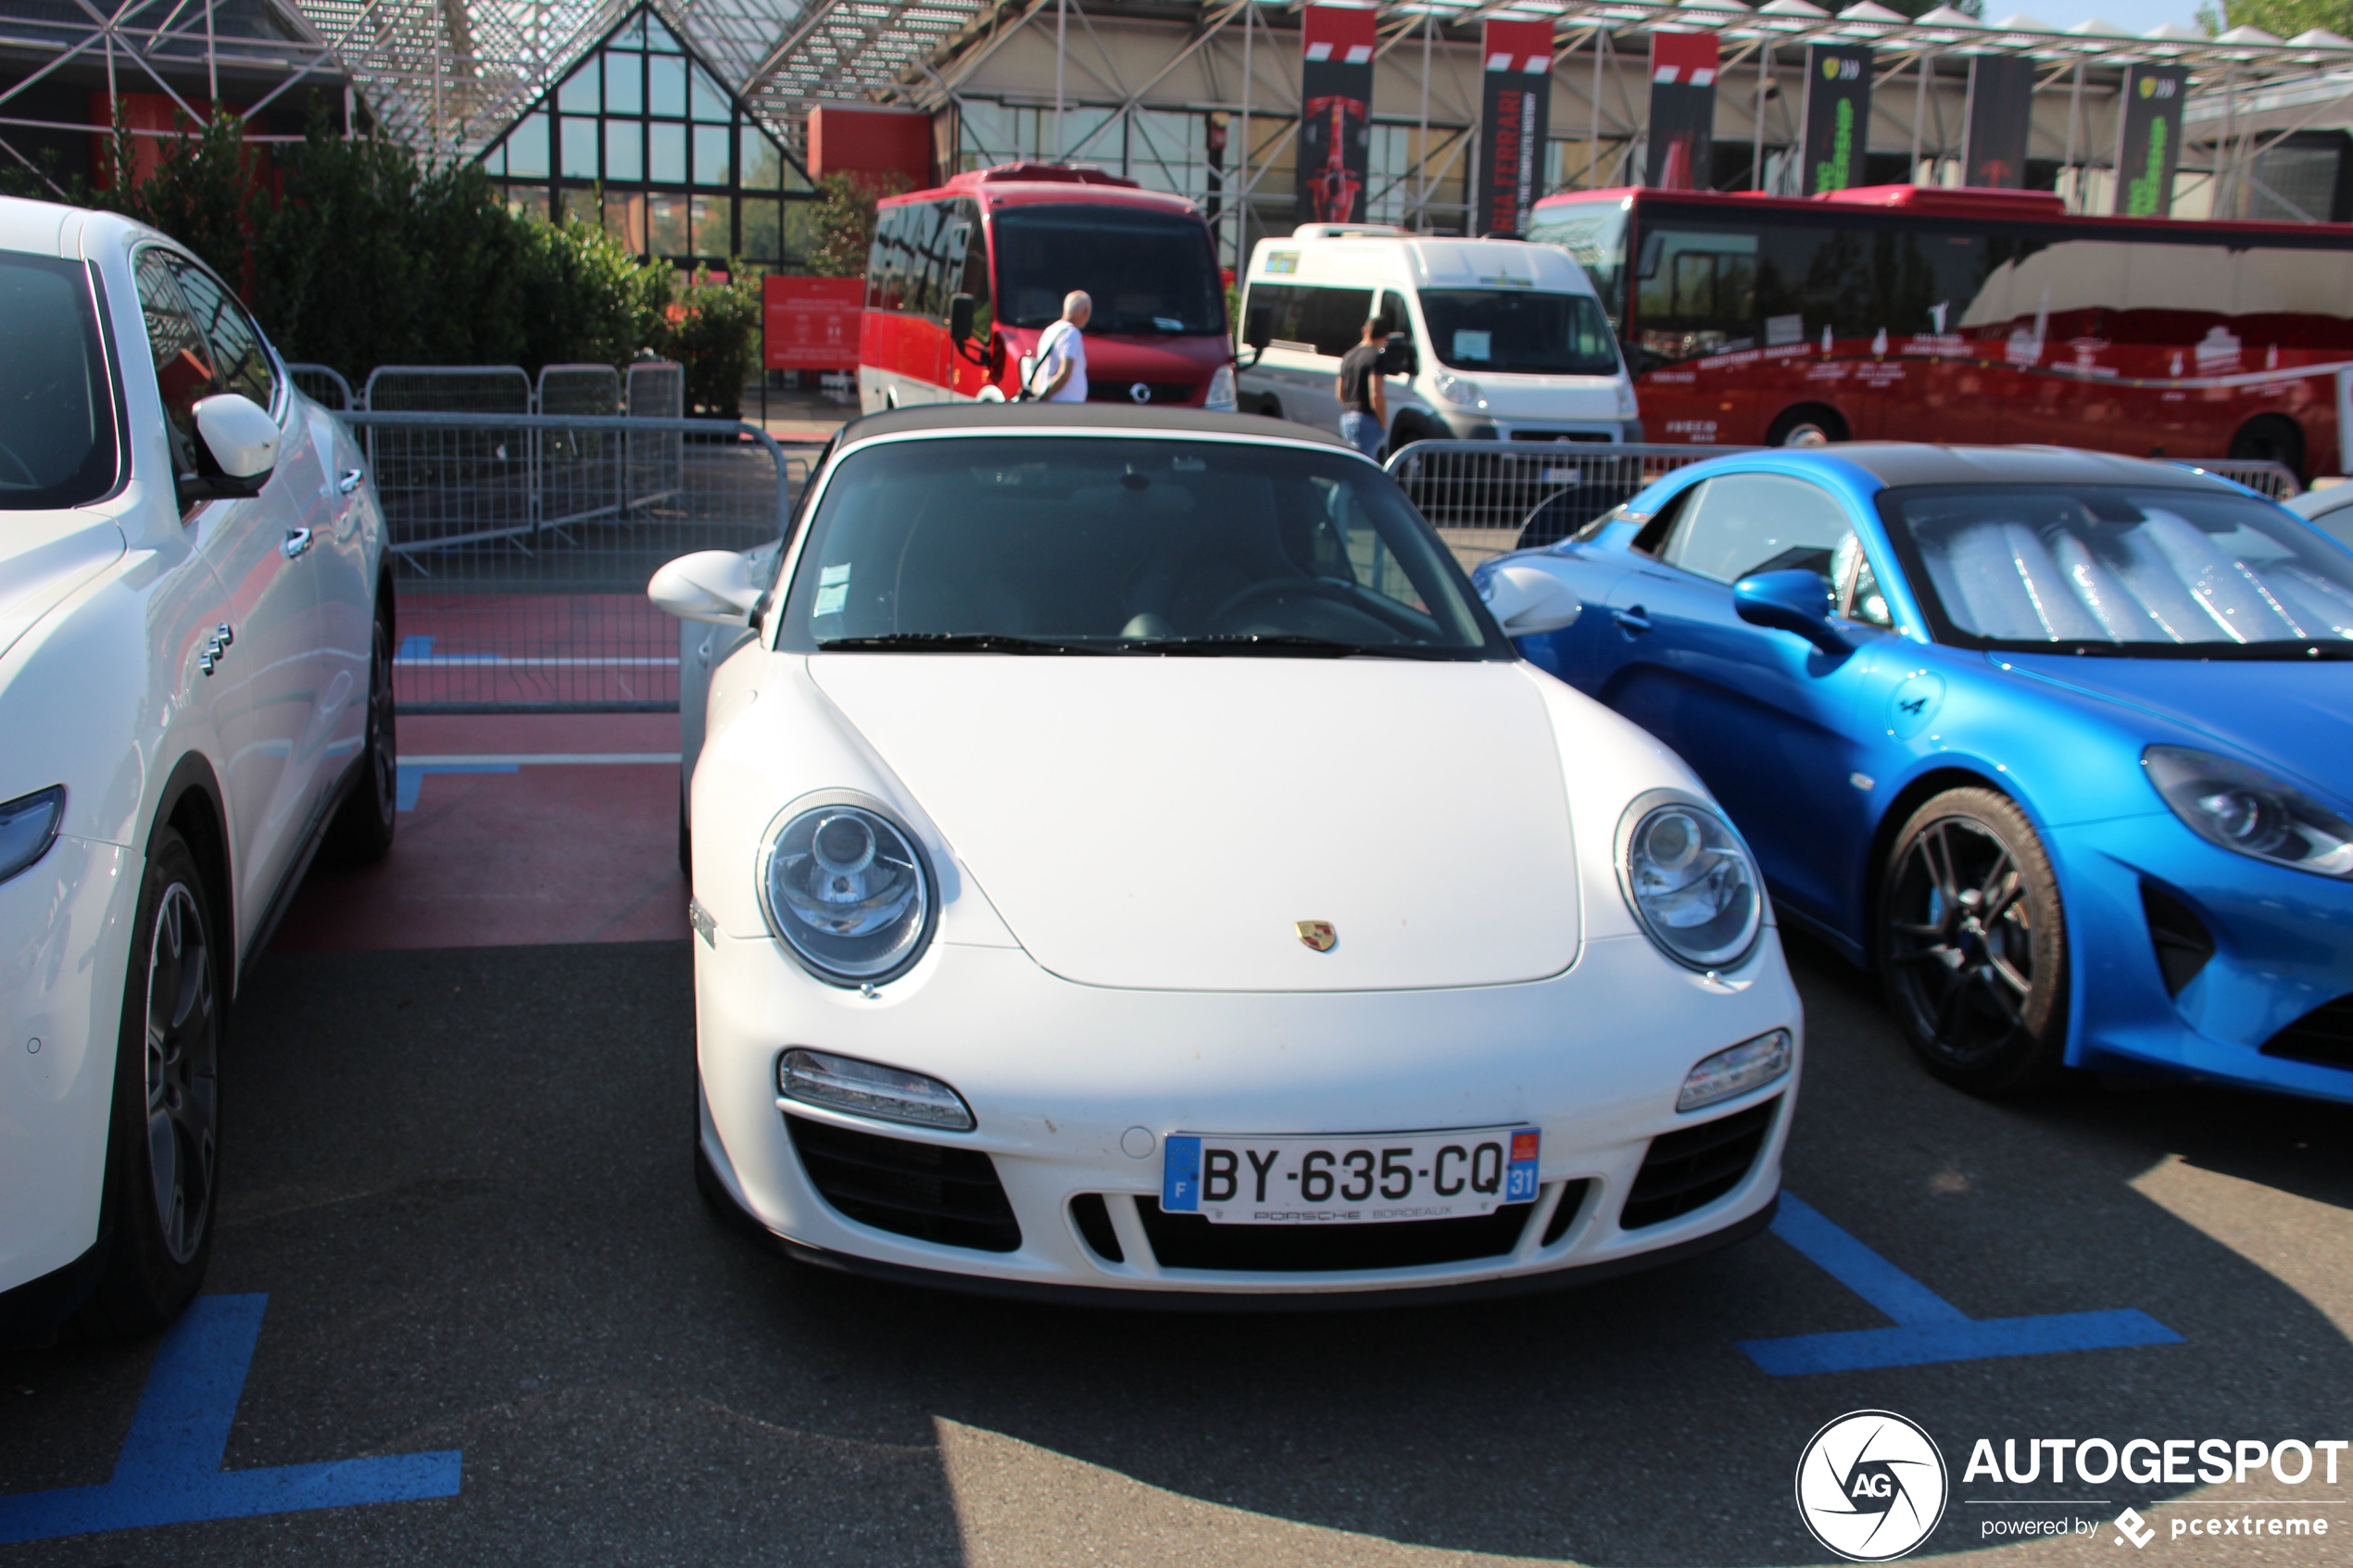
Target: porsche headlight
(849, 893)
(2243, 809)
(1689, 879)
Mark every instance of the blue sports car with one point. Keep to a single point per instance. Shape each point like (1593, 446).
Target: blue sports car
(2062, 743)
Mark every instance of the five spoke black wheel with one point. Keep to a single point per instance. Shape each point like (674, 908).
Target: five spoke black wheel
(183, 1073)
(1973, 943)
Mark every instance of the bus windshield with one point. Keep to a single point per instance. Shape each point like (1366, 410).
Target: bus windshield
(2127, 570)
(1148, 272)
(1516, 332)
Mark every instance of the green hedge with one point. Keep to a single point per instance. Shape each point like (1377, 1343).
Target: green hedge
(354, 254)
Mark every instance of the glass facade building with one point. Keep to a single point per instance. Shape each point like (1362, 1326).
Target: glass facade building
(642, 138)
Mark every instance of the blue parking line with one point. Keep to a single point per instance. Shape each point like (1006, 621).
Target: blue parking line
(1927, 1329)
(413, 647)
(168, 1470)
(411, 778)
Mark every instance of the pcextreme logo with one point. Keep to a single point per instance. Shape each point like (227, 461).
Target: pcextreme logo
(1872, 1486)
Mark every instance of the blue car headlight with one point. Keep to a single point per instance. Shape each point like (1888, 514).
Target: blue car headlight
(847, 890)
(2246, 809)
(1689, 881)
(28, 826)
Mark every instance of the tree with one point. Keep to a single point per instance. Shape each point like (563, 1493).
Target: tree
(2283, 18)
(844, 220)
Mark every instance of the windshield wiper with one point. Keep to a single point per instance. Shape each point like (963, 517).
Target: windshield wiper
(953, 642)
(1291, 645)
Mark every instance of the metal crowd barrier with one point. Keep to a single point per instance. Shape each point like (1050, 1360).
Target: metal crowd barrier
(1489, 498)
(522, 545)
(2276, 480)
(324, 385)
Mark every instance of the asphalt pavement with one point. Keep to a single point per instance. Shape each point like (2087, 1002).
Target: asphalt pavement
(462, 1179)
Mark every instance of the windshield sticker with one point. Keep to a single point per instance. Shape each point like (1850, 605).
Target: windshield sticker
(833, 590)
(1473, 345)
(1282, 262)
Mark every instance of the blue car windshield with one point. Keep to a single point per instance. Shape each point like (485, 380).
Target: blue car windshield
(2115, 569)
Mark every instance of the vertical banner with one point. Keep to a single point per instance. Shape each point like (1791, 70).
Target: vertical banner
(1682, 130)
(1336, 101)
(2001, 111)
(1838, 115)
(2150, 142)
(1513, 121)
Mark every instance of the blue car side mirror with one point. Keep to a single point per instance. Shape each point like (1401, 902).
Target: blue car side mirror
(1791, 601)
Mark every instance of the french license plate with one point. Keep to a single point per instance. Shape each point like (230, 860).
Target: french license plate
(1365, 1178)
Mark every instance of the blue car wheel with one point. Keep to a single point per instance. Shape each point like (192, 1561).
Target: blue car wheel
(1973, 943)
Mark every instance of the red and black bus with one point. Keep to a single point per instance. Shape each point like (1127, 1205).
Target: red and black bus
(963, 279)
(1927, 314)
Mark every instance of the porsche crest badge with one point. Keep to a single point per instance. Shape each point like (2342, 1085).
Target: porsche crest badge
(1318, 935)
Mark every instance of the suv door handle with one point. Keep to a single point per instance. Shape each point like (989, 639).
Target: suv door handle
(350, 481)
(298, 540)
(1634, 619)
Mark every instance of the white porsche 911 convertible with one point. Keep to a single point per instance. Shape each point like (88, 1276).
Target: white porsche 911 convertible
(1127, 858)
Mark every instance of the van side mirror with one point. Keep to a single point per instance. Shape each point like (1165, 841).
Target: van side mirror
(1796, 601)
(1398, 356)
(960, 319)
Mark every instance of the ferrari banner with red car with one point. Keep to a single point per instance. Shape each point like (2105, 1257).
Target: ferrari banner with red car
(1335, 124)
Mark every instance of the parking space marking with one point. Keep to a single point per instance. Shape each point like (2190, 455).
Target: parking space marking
(1927, 1329)
(410, 779)
(168, 1472)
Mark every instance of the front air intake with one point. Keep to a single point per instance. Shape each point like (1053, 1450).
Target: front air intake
(933, 1193)
(2323, 1037)
(1692, 1167)
(2183, 945)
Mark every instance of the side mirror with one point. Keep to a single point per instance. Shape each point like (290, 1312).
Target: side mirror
(1398, 358)
(1796, 601)
(1527, 601)
(959, 317)
(714, 586)
(1249, 355)
(242, 442)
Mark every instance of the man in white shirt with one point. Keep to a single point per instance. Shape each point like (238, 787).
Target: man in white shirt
(1061, 376)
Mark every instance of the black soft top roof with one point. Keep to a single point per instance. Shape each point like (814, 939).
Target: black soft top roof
(1896, 463)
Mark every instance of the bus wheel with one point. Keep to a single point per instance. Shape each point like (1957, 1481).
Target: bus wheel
(2271, 438)
(1808, 424)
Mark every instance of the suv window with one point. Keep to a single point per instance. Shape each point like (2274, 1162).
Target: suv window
(242, 361)
(183, 360)
(1743, 523)
(57, 446)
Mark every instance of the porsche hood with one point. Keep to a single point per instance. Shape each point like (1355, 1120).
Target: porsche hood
(1194, 823)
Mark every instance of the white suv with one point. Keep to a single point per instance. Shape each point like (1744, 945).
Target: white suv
(196, 690)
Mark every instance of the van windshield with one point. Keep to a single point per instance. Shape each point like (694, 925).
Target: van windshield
(57, 406)
(1517, 332)
(1148, 272)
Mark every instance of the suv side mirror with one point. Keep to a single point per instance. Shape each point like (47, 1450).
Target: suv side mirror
(237, 448)
(960, 319)
(714, 586)
(1796, 601)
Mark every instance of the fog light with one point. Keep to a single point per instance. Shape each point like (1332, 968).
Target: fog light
(1729, 1074)
(868, 1088)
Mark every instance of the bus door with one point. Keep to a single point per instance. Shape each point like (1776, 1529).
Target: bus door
(1695, 349)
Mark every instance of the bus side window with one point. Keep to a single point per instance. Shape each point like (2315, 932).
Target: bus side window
(976, 276)
(875, 253)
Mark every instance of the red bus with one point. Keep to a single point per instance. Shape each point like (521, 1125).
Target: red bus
(963, 279)
(1924, 314)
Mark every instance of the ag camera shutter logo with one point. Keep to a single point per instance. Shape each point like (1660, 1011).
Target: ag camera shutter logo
(1872, 1486)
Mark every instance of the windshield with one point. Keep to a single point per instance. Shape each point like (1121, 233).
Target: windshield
(1520, 333)
(2093, 568)
(56, 411)
(1117, 544)
(1148, 272)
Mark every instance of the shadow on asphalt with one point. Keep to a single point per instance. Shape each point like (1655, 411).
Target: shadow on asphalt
(463, 1179)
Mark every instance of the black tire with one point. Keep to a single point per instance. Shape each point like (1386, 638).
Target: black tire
(1982, 1001)
(1800, 427)
(361, 833)
(158, 1223)
(2271, 438)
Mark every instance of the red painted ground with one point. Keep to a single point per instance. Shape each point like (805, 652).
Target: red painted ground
(548, 853)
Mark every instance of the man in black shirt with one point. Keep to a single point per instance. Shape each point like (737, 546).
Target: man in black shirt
(1363, 409)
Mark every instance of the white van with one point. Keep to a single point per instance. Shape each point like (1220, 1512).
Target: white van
(1490, 340)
